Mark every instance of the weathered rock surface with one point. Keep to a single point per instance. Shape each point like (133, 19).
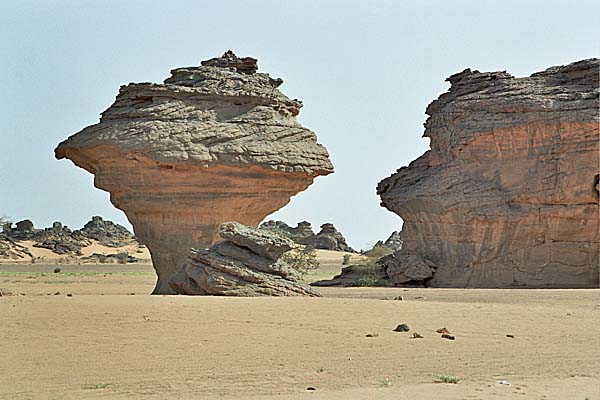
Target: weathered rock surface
(246, 263)
(213, 143)
(507, 196)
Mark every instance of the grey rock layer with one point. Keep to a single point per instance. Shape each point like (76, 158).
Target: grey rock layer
(246, 263)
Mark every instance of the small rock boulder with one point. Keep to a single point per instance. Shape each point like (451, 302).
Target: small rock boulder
(246, 263)
(405, 268)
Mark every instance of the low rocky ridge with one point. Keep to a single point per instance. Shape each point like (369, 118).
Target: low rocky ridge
(328, 238)
(212, 143)
(246, 263)
(508, 194)
(61, 240)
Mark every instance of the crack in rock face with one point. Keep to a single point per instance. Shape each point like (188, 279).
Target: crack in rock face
(507, 194)
(213, 143)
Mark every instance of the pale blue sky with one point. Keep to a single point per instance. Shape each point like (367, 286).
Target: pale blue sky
(365, 71)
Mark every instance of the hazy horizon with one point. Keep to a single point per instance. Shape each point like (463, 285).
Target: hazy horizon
(364, 71)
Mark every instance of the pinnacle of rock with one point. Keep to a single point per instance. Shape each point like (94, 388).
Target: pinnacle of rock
(213, 143)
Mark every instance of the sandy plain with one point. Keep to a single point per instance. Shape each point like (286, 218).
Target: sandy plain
(112, 340)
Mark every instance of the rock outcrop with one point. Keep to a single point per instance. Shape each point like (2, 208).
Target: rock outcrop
(106, 232)
(213, 143)
(508, 194)
(393, 242)
(328, 238)
(301, 230)
(61, 240)
(247, 263)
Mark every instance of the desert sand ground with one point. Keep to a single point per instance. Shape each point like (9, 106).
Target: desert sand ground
(111, 340)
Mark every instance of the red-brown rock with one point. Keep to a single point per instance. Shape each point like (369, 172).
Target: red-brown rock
(507, 196)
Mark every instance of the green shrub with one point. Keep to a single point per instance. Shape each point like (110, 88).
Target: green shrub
(369, 273)
(122, 258)
(302, 260)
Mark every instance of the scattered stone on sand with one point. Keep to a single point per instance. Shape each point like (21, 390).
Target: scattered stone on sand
(399, 298)
(57, 270)
(443, 330)
(402, 328)
(416, 335)
(213, 143)
(69, 294)
(311, 388)
(5, 292)
(449, 337)
(247, 263)
(372, 335)
(119, 258)
(508, 194)
(510, 336)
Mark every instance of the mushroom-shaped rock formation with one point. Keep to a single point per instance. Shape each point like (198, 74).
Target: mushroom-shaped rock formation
(246, 263)
(214, 143)
(507, 196)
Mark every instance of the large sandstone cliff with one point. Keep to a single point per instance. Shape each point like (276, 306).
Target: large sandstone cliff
(508, 194)
(213, 143)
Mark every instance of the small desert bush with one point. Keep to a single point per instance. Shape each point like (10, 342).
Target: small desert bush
(122, 258)
(368, 273)
(302, 260)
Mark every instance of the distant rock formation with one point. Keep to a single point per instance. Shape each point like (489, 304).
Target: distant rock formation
(214, 143)
(328, 238)
(508, 194)
(106, 232)
(246, 263)
(61, 240)
(302, 230)
(393, 242)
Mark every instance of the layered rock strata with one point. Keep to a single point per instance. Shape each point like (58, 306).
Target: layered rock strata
(213, 143)
(508, 194)
(246, 263)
